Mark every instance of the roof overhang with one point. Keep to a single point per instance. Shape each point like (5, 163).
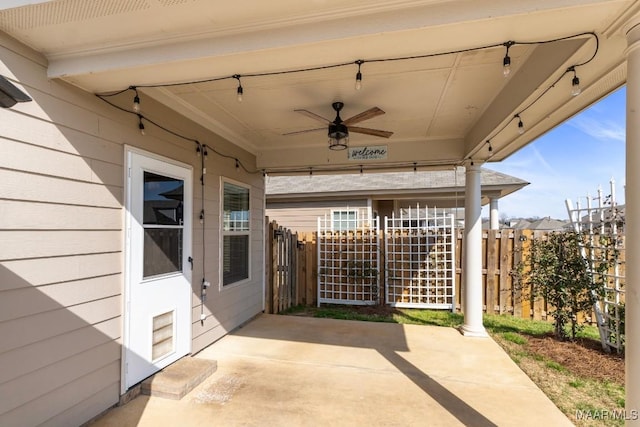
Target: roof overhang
(446, 107)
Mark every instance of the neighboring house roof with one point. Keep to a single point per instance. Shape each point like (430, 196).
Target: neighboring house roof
(444, 185)
(542, 224)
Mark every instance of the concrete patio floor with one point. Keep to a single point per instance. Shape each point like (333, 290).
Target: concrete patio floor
(299, 371)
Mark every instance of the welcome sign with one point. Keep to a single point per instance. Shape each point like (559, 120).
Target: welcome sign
(375, 152)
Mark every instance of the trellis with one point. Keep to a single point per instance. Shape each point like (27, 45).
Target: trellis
(420, 247)
(348, 259)
(601, 223)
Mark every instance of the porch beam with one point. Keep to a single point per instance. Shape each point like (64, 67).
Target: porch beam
(541, 67)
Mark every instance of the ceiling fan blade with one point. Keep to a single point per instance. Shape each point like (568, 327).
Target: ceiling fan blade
(303, 131)
(374, 132)
(365, 115)
(313, 116)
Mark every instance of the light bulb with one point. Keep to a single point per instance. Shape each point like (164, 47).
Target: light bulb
(506, 62)
(359, 63)
(506, 66)
(520, 126)
(136, 103)
(575, 86)
(239, 92)
(141, 126)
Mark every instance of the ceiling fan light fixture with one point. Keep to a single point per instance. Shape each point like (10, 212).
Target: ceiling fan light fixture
(338, 136)
(338, 144)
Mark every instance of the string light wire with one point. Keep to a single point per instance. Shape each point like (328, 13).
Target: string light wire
(359, 63)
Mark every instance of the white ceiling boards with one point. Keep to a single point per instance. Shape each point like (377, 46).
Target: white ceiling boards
(442, 106)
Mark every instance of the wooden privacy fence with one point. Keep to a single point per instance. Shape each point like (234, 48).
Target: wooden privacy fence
(291, 268)
(292, 271)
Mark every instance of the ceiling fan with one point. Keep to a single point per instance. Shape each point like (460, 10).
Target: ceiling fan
(338, 129)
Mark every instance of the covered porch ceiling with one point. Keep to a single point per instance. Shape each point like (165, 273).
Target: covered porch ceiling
(444, 107)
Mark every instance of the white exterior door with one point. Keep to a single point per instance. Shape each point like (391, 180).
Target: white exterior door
(157, 326)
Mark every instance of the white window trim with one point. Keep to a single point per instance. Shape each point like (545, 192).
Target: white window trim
(222, 287)
(347, 211)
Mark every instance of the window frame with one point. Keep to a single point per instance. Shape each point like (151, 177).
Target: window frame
(346, 211)
(224, 233)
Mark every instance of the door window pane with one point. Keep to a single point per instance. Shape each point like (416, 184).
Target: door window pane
(163, 218)
(162, 251)
(163, 200)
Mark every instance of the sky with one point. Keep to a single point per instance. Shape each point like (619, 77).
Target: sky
(569, 162)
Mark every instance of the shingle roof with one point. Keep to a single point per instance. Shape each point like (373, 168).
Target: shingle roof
(384, 181)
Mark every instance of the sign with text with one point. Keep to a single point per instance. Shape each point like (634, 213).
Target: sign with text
(374, 152)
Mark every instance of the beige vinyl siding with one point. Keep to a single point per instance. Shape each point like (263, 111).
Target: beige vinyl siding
(232, 306)
(62, 240)
(60, 252)
(303, 216)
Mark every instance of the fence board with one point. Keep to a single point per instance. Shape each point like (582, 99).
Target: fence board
(291, 271)
(505, 302)
(492, 295)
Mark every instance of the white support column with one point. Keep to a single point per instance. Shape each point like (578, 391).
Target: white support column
(494, 222)
(632, 225)
(472, 255)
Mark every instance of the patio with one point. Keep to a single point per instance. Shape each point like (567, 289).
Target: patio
(288, 370)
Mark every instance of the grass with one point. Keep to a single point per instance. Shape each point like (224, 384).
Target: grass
(570, 393)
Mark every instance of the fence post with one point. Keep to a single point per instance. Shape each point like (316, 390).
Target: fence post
(311, 263)
(268, 298)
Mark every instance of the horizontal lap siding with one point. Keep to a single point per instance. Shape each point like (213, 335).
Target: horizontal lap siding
(229, 307)
(61, 241)
(303, 216)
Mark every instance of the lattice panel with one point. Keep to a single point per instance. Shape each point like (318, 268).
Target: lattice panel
(420, 259)
(600, 220)
(348, 259)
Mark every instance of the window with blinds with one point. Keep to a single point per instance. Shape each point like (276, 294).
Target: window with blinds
(235, 233)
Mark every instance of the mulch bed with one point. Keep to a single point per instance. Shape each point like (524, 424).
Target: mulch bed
(584, 357)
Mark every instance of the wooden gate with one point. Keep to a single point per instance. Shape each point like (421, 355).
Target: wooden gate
(282, 251)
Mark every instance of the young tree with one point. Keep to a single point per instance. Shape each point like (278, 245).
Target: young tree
(556, 271)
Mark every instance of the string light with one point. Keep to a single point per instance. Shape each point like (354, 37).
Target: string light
(359, 62)
(136, 99)
(490, 147)
(198, 150)
(575, 90)
(506, 62)
(240, 90)
(205, 153)
(141, 125)
(520, 124)
(415, 167)
(237, 165)
(575, 83)
(202, 216)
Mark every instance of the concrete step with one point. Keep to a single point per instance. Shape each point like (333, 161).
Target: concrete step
(179, 378)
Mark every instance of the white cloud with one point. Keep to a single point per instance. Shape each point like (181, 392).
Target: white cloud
(603, 130)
